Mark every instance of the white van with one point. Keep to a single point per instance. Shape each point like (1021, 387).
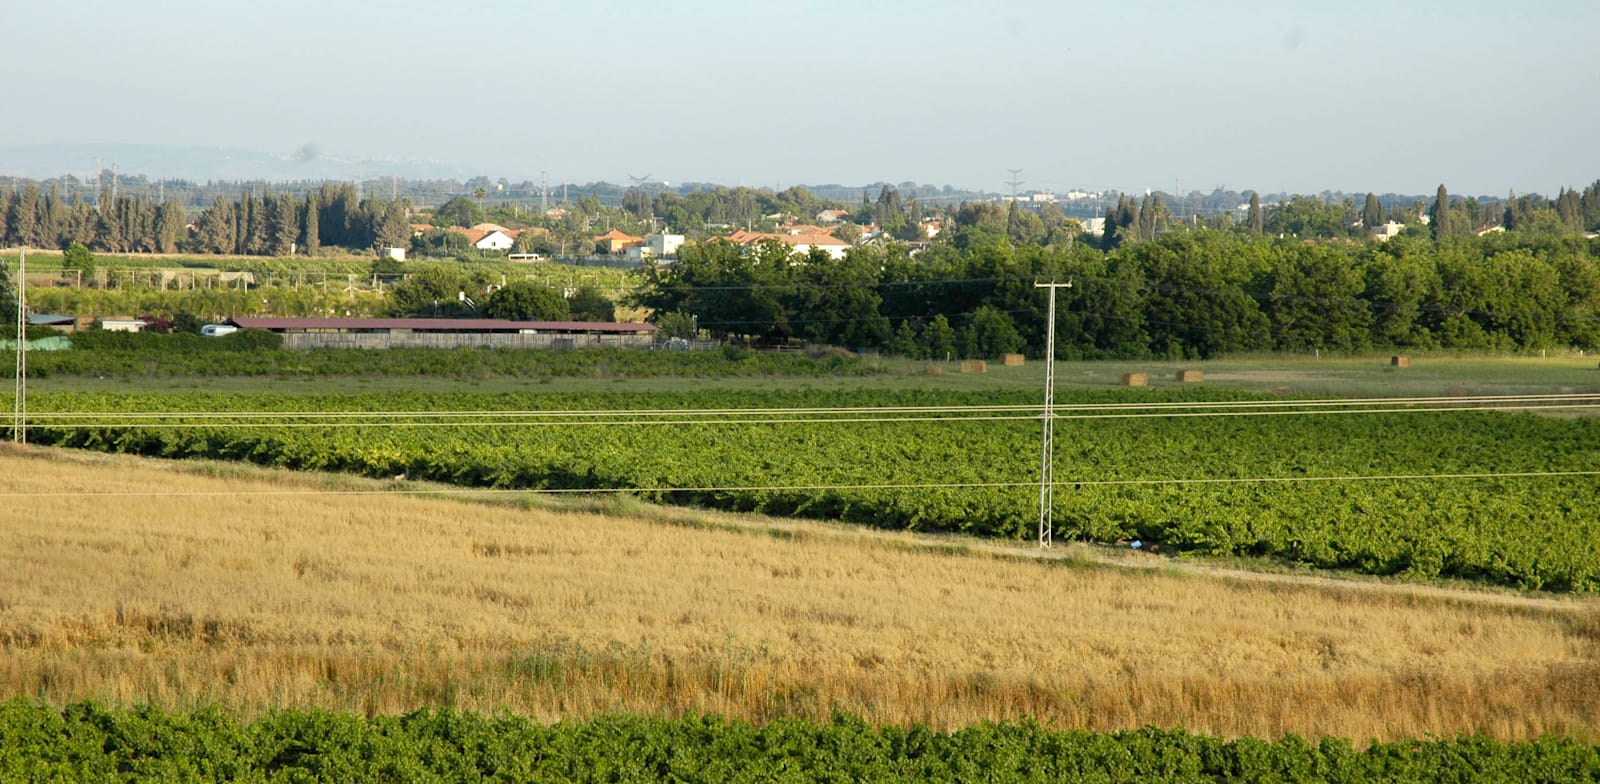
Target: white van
(218, 330)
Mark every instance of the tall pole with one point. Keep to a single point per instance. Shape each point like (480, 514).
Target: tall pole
(20, 398)
(1047, 471)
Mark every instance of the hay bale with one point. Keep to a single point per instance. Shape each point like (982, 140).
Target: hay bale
(1135, 379)
(1012, 360)
(974, 366)
(1400, 361)
(1191, 376)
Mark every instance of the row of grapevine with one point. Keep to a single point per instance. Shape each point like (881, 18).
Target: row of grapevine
(88, 743)
(971, 474)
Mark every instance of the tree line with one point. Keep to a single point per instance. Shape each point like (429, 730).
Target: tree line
(267, 224)
(1186, 294)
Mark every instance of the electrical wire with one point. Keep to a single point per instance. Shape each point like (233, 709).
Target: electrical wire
(1068, 483)
(831, 415)
(1567, 397)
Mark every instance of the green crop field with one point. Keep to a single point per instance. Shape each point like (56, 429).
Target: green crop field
(86, 743)
(1490, 496)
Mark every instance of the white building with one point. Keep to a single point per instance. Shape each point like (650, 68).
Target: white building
(663, 245)
(495, 240)
(1387, 231)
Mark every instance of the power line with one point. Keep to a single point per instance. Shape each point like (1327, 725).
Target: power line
(1481, 475)
(863, 415)
(1482, 400)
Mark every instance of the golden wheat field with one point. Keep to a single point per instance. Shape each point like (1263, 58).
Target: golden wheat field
(132, 581)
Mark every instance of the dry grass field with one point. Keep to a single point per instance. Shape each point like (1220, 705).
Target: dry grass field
(132, 581)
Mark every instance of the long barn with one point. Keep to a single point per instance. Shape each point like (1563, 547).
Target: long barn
(303, 333)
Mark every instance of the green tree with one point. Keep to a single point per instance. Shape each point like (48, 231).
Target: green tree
(78, 259)
(588, 304)
(676, 324)
(433, 291)
(8, 301)
(1315, 300)
(1399, 284)
(988, 334)
(1254, 218)
(458, 211)
(311, 228)
(24, 229)
(937, 338)
(1439, 218)
(283, 225)
(1372, 212)
(214, 232)
(169, 226)
(527, 301)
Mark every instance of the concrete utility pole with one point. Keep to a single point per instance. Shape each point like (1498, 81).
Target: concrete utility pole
(19, 407)
(1047, 469)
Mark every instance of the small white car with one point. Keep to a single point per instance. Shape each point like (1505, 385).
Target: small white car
(218, 330)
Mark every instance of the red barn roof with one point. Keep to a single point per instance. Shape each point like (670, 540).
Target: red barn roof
(435, 325)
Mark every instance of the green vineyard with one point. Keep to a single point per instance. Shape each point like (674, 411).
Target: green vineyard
(86, 743)
(1489, 496)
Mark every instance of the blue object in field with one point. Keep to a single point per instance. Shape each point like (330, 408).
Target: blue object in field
(1136, 544)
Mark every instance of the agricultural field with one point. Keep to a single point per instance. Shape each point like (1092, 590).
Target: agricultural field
(496, 573)
(1491, 497)
(183, 585)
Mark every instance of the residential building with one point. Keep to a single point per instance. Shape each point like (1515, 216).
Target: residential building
(615, 241)
(799, 242)
(656, 246)
(1387, 231)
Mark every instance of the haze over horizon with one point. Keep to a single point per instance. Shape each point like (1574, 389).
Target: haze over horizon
(1365, 96)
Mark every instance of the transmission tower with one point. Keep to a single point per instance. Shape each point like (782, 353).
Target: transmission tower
(1047, 440)
(1014, 182)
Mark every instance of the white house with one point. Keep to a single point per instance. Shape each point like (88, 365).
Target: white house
(1387, 231)
(495, 240)
(799, 242)
(656, 246)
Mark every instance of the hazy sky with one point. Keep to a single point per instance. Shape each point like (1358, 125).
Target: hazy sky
(1272, 95)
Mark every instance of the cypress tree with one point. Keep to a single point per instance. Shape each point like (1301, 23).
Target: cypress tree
(169, 226)
(1257, 221)
(1570, 209)
(241, 223)
(25, 217)
(1439, 216)
(1372, 212)
(311, 229)
(260, 242)
(8, 298)
(8, 206)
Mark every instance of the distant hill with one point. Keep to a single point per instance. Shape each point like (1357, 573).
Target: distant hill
(201, 164)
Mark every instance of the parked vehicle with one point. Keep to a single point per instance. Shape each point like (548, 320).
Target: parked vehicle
(218, 330)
